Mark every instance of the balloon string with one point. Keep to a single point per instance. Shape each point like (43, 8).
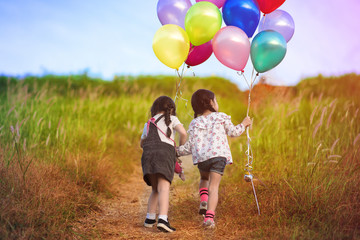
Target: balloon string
(178, 94)
(257, 203)
(193, 73)
(250, 88)
(250, 85)
(248, 152)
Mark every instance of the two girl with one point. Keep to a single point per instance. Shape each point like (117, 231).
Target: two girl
(209, 147)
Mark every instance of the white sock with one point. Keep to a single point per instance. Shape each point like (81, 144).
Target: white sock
(163, 217)
(151, 216)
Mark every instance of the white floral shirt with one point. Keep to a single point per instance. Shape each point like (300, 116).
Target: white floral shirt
(208, 137)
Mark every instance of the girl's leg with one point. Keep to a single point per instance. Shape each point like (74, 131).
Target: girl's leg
(164, 191)
(214, 184)
(204, 179)
(203, 191)
(153, 198)
(152, 202)
(163, 188)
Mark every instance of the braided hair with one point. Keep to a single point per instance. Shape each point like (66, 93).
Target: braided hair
(201, 101)
(164, 104)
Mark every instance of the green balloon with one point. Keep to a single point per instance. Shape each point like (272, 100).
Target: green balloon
(202, 21)
(268, 49)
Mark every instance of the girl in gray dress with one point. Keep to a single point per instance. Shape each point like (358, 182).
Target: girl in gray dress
(159, 158)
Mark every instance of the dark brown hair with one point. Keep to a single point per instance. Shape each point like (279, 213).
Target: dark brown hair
(201, 101)
(167, 105)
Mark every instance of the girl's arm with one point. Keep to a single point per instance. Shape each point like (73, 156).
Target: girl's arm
(185, 146)
(182, 132)
(247, 122)
(143, 135)
(235, 131)
(184, 149)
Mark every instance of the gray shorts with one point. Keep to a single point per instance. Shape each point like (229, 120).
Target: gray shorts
(216, 164)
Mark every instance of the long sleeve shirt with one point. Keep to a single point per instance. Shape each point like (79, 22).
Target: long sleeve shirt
(208, 137)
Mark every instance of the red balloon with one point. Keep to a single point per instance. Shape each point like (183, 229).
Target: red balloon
(199, 54)
(267, 6)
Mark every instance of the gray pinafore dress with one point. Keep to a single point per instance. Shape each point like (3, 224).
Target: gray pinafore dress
(158, 157)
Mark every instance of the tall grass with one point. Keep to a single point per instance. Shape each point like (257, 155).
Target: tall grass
(80, 137)
(307, 158)
(86, 129)
(83, 136)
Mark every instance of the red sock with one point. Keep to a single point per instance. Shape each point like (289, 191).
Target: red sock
(209, 215)
(204, 194)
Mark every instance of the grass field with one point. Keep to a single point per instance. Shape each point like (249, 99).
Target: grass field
(66, 140)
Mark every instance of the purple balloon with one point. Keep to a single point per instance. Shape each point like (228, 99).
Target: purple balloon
(173, 11)
(199, 54)
(279, 21)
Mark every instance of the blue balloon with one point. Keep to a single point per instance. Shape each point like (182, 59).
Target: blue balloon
(244, 14)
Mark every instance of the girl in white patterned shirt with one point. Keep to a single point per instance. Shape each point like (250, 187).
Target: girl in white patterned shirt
(209, 147)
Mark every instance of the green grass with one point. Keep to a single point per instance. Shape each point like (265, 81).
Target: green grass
(305, 145)
(307, 153)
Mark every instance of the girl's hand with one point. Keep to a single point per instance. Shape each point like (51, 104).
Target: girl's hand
(247, 122)
(182, 176)
(178, 160)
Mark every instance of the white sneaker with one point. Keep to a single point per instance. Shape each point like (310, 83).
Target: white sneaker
(165, 226)
(149, 223)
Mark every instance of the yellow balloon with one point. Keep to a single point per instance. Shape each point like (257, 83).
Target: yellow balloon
(171, 45)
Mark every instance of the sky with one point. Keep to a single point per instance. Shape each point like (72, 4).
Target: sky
(111, 37)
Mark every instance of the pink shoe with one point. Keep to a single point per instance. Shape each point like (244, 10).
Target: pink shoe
(209, 224)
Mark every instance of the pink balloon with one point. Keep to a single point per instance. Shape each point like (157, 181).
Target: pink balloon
(199, 54)
(231, 47)
(218, 3)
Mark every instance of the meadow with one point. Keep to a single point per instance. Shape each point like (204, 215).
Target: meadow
(67, 141)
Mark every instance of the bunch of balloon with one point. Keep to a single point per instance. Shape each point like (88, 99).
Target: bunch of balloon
(191, 33)
(186, 34)
(269, 46)
(232, 47)
(171, 42)
(202, 22)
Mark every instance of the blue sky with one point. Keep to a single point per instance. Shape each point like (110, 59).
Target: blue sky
(109, 37)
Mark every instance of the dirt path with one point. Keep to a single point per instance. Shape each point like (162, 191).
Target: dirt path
(122, 217)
